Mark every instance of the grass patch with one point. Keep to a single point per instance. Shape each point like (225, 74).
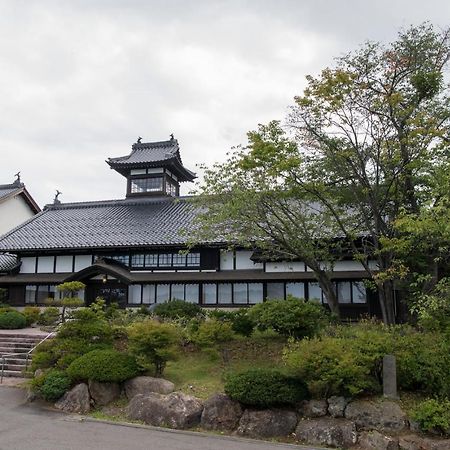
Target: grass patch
(201, 372)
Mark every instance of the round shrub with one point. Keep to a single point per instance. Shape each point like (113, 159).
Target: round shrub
(105, 366)
(49, 316)
(12, 320)
(291, 317)
(212, 332)
(52, 385)
(31, 314)
(178, 309)
(433, 415)
(265, 387)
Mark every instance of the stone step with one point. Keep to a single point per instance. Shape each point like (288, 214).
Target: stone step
(16, 344)
(15, 367)
(6, 350)
(16, 360)
(21, 340)
(14, 373)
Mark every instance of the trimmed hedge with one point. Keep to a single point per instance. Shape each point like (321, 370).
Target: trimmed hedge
(52, 385)
(178, 309)
(12, 320)
(265, 387)
(107, 366)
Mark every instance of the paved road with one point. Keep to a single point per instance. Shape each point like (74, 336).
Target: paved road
(26, 426)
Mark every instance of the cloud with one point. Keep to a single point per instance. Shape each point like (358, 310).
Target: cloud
(80, 80)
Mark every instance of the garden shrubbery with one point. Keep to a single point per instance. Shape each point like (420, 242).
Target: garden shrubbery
(105, 366)
(433, 415)
(52, 385)
(212, 332)
(291, 317)
(12, 320)
(31, 314)
(265, 388)
(178, 309)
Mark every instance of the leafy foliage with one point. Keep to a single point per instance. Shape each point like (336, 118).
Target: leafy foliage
(105, 366)
(153, 344)
(212, 332)
(241, 322)
(52, 385)
(290, 317)
(265, 388)
(178, 309)
(49, 316)
(32, 314)
(433, 415)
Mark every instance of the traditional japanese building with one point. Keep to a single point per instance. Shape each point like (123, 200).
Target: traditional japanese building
(133, 250)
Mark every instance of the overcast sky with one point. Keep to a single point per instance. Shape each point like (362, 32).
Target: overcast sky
(80, 80)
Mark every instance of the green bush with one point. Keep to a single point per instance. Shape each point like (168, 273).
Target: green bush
(12, 320)
(290, 317)
(433, 415)
(178, 309)
(329, 366)
(31, 314)
(265, 387)
(241, 323)
(105, 366)
(49, 316)
(52, 385)
(212, 332)
(153, 344)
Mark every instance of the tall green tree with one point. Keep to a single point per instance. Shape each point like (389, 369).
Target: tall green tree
(361, 146)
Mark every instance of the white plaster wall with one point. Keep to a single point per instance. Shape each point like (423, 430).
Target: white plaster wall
(28, 264)
(243, 260)
(13, 212)
(297, 266)
(82, 261)
(226, 260)
(64, 263)
(45, 264)
(341, 266)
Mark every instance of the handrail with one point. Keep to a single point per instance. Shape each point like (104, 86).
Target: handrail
(8, 355)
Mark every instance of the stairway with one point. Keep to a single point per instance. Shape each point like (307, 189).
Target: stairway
(19, 344)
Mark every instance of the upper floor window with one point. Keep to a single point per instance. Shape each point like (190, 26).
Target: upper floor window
(165, 260)
(140, 185)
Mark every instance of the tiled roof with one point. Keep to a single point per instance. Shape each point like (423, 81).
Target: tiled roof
(116, 223)
(8, 189)
(153, 154)
(7, 262)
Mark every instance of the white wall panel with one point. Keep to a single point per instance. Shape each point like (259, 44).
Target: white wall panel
(226, 260)
(64, 263)
(45, 264)
(243, 260)
(297, 266)
(82, 261)
(28, 264)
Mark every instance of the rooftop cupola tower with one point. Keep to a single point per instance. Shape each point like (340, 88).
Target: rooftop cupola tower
(153, 169)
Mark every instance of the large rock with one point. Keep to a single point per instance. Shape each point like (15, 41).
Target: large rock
(339, 433)
(336, 406)
(176, 410)
(414, 442)
(374, 440)
(104, 393)
(77, 400)
(380, 416)
(221, 413)
(267, 423)
(147, 385)
(313, 408)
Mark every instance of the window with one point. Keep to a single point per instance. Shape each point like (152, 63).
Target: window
(224, 293)
(192, 293)
(193, 259)
(141, 185)
(138, 260)
(148, 294)
(209, 294)
(314, 291)
(240, 293)
(124, 259)
(344, 292)
(162, 293)
(165, 260)
(134, 294)
(179, 260)
(151, 260)
(255, 293)
(45, 292)
(275, 290)
(297, 290)
(171, 189)
(177, 292)
(359, 293)
(30, 294)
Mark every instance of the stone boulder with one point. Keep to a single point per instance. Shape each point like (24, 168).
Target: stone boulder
(338, 433)
(374, 440)
(313, 408)
(176, 410)
(267, 423)
(414, 442)
(336, 406)
(104, 393)
(77, 400)
(147, 385)
(382, 416)
(220, 413)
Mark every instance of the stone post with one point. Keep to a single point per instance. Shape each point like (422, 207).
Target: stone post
(389, 377)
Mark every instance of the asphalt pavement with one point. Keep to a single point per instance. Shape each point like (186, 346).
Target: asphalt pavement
(29, 426)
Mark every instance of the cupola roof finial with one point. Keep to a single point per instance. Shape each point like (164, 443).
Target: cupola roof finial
(56, 201)
(17, 180)
(139, 140)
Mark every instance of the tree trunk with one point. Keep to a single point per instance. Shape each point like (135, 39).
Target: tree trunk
(329, 290)
(387, 301)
